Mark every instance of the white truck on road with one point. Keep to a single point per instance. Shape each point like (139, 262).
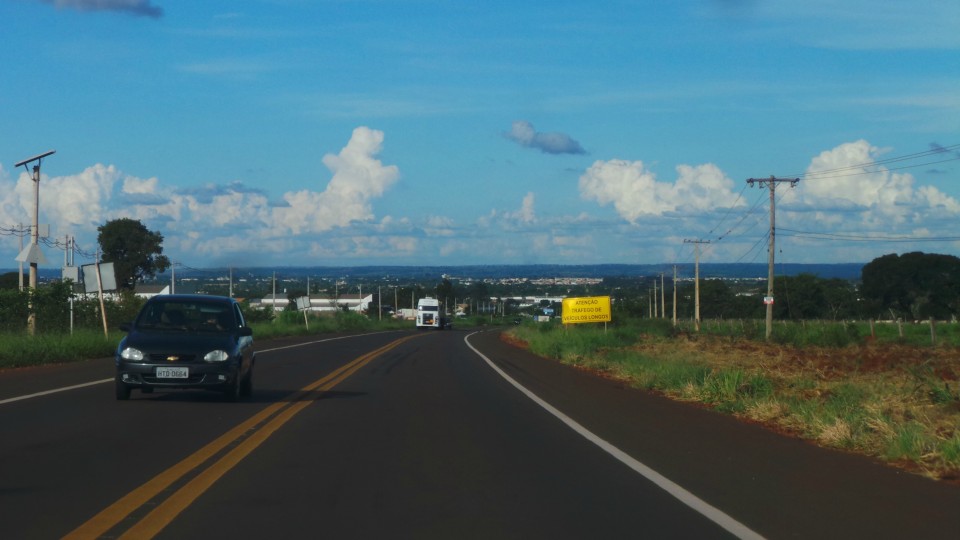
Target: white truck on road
(429, 315)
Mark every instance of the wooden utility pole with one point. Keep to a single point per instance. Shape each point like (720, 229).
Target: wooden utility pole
(656, 312)
(696, 280)
(674, 295)
(771, 183)
(663, 299)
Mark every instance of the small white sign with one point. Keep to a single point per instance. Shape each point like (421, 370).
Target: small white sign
(107, 278)
(767, 300)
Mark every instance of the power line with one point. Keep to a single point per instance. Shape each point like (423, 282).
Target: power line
(817, 175)
(933, 151)
(867, 238)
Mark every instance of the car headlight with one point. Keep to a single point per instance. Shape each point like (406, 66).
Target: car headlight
(131, 354)
(216, 356)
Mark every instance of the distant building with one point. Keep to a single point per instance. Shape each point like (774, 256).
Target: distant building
(149, 291)
(351, 302)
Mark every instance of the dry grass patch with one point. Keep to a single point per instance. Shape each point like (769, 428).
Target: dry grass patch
(892, 402)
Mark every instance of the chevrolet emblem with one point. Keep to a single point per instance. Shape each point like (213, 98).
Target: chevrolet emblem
(172, 358)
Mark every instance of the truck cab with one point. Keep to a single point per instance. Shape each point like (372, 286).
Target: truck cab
(429, 314)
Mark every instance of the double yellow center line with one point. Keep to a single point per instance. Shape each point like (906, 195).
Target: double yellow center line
(250, 434)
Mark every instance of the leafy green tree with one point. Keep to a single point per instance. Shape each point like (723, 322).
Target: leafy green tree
(445, 293)
(913, 285)
(135, 251)
(10, 280)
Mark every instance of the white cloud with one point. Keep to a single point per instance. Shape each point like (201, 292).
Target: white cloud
(139, 186)
(526, 213)
(214, 221)
(846, 181)
(439, 226)
(357, 178)
(634, 190)
(66, 202)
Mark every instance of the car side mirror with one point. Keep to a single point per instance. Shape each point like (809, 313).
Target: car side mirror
(125, 327)
(246, 331)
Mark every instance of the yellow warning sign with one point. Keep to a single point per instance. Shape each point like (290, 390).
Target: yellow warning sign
(591, 309)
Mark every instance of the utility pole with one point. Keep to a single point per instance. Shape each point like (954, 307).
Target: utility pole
(656, 313)
(771, 183)
(663, 301)
(34, 256)
(674, 296)
(696, 280)
(21, 232)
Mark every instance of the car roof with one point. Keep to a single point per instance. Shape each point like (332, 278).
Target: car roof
(192, 298)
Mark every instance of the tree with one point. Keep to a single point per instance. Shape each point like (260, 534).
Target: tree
(10, 280)
(135, 251)
(445, 293)
(916, 285)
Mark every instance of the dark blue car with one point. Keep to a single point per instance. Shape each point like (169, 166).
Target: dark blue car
(187, 341)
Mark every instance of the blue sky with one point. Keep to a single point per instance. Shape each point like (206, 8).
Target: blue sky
(354, 132)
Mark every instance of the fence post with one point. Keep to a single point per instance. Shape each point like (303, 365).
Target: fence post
(873, 333)
(900, 327)
(933, 332)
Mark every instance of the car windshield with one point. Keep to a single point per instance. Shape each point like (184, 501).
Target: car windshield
(187, 316)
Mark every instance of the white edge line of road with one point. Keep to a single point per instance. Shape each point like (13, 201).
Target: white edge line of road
(710, 512)
(104, 381)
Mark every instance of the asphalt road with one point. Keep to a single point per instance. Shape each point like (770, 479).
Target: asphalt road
(422, 435)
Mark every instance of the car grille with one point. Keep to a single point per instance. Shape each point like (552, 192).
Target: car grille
(193, 379)
(158, 358)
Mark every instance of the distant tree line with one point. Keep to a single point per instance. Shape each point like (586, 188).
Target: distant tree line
(913, 286)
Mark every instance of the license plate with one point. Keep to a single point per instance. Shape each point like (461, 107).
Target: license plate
(173, 372)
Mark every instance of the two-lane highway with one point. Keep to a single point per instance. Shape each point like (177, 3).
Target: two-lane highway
(424, 435)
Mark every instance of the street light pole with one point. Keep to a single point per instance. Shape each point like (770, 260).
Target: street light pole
(34, 256)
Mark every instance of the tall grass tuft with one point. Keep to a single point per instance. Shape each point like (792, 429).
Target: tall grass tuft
(910, 441)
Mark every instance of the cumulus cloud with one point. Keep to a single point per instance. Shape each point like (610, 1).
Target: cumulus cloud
(66, 202)
(358, 177)
(522, 133)
(526, 213)
(635, 191)
(207, 221)
(140, 8)
(847, 180)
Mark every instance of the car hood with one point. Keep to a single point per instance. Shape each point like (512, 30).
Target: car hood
(181, 342)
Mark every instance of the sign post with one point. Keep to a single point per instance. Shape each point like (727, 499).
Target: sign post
(99, 277)
(303, 304)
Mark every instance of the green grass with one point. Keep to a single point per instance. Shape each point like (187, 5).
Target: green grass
(21, 350)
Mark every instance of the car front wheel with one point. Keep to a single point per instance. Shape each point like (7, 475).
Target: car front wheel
(122, 389)
(246, 386)
(232, 391)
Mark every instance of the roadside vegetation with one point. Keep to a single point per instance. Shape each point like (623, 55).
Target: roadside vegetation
(54, 342)
(832, 372)
(893, 399)
(22, 350)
